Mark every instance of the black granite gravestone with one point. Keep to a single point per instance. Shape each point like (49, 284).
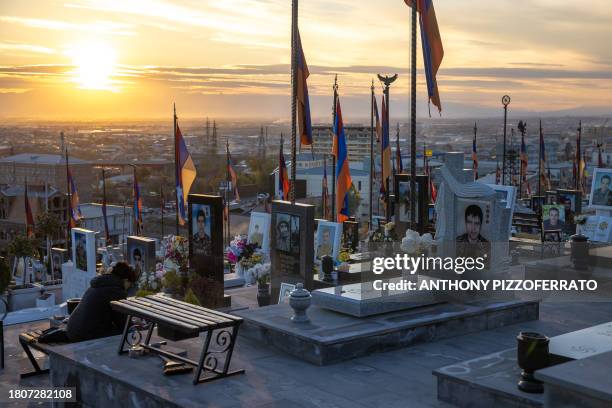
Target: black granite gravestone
(402, 202)
(291, 245)
(572, 201)
(206, 249)
(350, 235)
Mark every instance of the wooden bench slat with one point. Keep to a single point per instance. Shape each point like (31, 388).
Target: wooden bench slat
(169, 300)
(194, 313)
(188, 308)
(153, 313)
(184, 316)
(138, 312)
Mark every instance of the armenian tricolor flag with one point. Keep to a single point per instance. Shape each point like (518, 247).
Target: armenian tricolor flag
(343, 174)
(185, 173)
(433, 192)
(524, 164)
(377, 119)
(385, 148)
(137, 206)
(283, 178)
(398, 153)
(433, 52)
(232, 174)
(475, 154)
(75, 209)
(579, 156)
(304, 121)
(325, 191)
(29, 218)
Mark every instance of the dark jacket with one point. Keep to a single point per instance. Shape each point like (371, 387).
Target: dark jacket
(93, 317)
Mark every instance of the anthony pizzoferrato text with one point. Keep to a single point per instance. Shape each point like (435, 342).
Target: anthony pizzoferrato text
(461, 265)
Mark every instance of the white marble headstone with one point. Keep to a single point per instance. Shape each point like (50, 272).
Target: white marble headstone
(457, 189)
(76, 276)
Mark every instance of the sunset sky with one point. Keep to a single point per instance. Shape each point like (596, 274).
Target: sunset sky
(87, 59)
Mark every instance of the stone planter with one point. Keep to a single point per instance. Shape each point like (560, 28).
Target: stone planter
(24, 297)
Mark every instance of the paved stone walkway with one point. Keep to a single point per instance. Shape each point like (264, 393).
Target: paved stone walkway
(400, 378)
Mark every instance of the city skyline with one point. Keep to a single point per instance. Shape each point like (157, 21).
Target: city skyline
(111, 59)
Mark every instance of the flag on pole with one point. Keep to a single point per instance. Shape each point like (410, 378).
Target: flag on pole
(377, 119)
(433, 192)
(524, 163)
(600, 162)
(581, 171)
(543, 176)
(232, 174)
(29, 218)
(385, 148)
(398, 153)
(433, 52)
(579, 156)
(343, 174)
(325, 192)
(283, 178)
(475, 155)
(75, 206)
(106, 231)
(304, 121)
(185, 174)
(137, 206)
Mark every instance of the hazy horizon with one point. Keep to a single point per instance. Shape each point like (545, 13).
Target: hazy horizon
(94, 59)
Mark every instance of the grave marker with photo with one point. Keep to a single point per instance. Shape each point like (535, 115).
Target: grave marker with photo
(291, 245)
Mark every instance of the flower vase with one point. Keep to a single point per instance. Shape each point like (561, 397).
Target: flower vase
(263, 294)
(239, 270)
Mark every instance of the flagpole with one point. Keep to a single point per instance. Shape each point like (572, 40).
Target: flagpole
(333, 203)
(294, 21)
(227, 180)
(324, 188)
(371, 152)
(69, 191)
(578, 158)
(413, 89)
(540, 162)
(106, 232)
(176, 172)
(161, 195)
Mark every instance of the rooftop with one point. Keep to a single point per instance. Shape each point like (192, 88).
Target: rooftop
(33, 191)
(36, 158)
(94, 210)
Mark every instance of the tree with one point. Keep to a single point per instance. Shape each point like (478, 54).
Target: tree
(22, 247)
(49, 226)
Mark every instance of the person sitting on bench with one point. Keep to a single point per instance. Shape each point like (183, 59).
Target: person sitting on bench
(93, 317)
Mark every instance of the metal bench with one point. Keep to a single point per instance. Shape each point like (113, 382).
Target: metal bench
(29, 341)
(218, 345)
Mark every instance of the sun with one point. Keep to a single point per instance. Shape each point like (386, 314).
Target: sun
(95, 65)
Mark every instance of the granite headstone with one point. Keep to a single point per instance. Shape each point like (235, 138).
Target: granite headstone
(291, 245)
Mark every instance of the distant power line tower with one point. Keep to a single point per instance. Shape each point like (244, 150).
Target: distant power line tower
(511, 163)
(207, 141)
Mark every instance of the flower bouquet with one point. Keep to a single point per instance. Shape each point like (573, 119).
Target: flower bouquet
(415, 244)
(385, 233)
(176, 253)
(246, 257)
